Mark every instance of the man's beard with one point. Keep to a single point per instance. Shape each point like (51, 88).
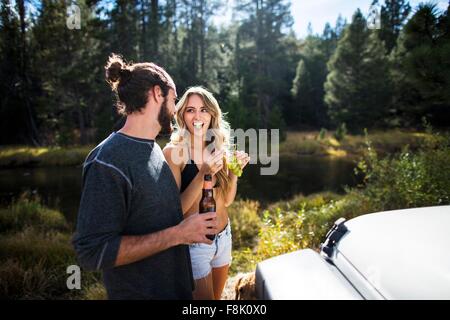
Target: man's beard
(165, 118)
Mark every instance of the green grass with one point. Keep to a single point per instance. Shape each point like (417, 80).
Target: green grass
(23, 156)
(28, 211)
(385, 142)
(35, 251)
(95, 292)
(245, 221)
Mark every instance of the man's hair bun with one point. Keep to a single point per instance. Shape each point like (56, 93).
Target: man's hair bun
(116, 70)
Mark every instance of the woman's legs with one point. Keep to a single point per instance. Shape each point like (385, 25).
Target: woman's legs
(219, 278)
(216, 256)
(211, 286)
(204, 288)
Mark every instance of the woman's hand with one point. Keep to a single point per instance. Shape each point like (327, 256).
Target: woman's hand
(212, 163)
(242, 159)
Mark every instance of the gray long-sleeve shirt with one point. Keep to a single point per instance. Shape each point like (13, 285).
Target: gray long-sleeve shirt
(128, 189)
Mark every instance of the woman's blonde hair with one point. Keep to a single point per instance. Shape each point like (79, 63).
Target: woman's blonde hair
(219, 128)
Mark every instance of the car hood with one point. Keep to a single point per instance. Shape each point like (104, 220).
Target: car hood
(399, 254)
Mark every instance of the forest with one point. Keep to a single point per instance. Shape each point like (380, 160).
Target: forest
(350, 75)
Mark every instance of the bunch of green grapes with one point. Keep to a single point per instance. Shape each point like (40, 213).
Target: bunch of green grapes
(234, 166)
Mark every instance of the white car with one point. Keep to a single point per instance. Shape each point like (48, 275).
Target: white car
(399, 254)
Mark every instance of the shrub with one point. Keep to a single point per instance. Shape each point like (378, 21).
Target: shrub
(28, 211)
(35, 251)
(95, 292)
(340, 132)
(245, 222)
(26, 282)
(244, 260)
(410, 179)
(30, 245)
(306, 223)
(322, 134)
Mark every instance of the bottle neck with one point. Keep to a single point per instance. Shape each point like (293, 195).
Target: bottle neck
(207, 185)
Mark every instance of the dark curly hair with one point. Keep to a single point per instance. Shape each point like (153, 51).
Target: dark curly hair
(132, 81)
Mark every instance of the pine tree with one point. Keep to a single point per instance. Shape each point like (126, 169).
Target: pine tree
(421, 67)
(300, 90)
(307, 87)
(124, 30)
(341, 23)
(393, 16)
(18, 122)
(260, 54)
(196, 28)
(357, 81)
(69, 63)
(329, 41)
(170, 54)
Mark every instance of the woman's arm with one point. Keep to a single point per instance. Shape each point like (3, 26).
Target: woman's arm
(174, 167)
(191, 193)
(229, 198)
(211, 165)
(194, 189)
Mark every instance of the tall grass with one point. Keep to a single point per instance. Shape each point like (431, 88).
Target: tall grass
(326, 144)
(35, 251)
(24, 156)
(28, 211)
(245, 221)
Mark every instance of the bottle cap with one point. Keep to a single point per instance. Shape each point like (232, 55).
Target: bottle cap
(208, 177)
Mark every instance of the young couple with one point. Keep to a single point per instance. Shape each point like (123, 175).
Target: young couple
(138, 219)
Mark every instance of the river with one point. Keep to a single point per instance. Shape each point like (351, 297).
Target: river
(60, 187)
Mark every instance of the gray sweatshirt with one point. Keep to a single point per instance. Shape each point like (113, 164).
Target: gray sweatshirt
(128, 189)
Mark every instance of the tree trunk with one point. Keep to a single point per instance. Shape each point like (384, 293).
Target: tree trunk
(260, 102)
(154, 29)
(144, 46)
(33, 134)
(82, 125)
(202, 39)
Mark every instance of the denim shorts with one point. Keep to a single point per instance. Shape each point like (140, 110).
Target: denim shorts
(204, 256)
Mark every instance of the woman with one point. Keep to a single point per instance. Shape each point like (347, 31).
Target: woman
(190, 155)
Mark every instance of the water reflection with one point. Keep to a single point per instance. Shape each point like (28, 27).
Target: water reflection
(60, 187)
(300, 174)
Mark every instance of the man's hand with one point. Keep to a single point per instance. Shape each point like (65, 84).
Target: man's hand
(194, 228)
(191, 230)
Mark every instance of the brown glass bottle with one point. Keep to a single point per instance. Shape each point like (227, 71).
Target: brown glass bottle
(207, 202)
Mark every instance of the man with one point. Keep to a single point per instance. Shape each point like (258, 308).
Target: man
(130, 223)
